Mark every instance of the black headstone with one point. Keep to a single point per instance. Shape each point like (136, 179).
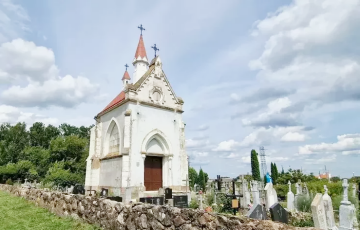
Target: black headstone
(104, 192)
(278, 213)
(115, 198)
(152, 200)
(181, 201)
(257, 212)
(168, 193)
(79, 189)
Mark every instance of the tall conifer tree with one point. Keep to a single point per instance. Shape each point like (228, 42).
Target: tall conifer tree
(255, 167)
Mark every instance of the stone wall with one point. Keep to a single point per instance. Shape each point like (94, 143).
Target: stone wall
(114, 215)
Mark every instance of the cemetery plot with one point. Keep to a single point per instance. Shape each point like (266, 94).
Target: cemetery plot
(278, 213)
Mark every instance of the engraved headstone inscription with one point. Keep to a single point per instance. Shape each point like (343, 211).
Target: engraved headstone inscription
(152, 200)
(278, 213)
(181, 201)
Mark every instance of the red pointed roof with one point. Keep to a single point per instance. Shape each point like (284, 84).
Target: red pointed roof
(126, 76)
(140, 51)
(118, 99)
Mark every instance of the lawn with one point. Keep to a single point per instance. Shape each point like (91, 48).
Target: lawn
(17, 213)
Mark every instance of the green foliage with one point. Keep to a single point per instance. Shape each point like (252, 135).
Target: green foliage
(193, 175)
(304, 203)
(335, 179)
(201, 180)
(255, 167)
(59, 176)
(193, 204)
(30, 153)
(303, 223)
(223, 203)
(9, 181)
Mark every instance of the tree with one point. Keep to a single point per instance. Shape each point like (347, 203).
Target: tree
(206, 177)
(201, 180)
(255, 167)
(193, 175)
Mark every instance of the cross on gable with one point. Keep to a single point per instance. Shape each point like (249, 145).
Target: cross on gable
(141, 29)
(126, 66)
(128, 181)
(155, 49)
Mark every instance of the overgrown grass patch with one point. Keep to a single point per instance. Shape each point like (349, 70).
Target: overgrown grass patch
(18, 213)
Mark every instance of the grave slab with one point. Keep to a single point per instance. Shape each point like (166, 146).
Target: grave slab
(279, 214)
(257, 212)
(318, 212)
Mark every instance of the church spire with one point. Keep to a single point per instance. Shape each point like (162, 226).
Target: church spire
(141, 63)
(126, 78)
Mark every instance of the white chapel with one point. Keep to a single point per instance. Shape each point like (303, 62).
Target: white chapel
(138, 140)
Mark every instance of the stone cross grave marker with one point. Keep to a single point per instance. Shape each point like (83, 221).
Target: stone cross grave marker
(346, 210)
(329, 212)
(257, 212)
(278, 213)
(26, 181)
(290, 199)
(201, 200)
(318, 212)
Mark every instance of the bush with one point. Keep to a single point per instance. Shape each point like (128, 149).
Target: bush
(193, 204)
(9, 181)
(62, 177)
(304, 203)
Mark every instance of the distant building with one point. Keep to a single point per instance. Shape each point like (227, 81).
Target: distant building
(326, 175)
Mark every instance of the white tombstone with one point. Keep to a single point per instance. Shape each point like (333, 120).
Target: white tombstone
(255, 192)
(290, 199)
(306, 191)
(318, 212)
(329, 212)
(271, 195)
(346, 210)
(245, 200)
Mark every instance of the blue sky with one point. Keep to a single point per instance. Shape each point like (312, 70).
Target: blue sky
(283, 74)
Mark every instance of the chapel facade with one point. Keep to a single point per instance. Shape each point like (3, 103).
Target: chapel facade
(138, 140)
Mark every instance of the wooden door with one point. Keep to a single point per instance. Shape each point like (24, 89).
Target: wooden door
(153, 173)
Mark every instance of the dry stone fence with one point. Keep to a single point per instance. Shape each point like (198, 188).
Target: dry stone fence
(114, 215)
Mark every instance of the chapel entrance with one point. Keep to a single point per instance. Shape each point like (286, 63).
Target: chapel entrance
(153, 173)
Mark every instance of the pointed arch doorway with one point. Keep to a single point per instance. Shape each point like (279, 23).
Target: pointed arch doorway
(156, 162)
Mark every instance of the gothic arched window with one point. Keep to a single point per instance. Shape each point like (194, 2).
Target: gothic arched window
(114, 142)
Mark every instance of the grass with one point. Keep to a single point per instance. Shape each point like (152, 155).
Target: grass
(18, 213)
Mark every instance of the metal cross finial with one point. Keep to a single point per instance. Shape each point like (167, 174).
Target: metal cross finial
(141, 29)
(126, 66)
(155, 49)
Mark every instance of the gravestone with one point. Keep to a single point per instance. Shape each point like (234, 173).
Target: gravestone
(115, 198)
(271, 195)
(79, 189)
(255, 192)
(245, 200)
(181, 201)
(257, 212)
(290, 199)
(104, 192)
(346, 210)
(279, 214)
(153, 200)
(329, 212)
(168, 193)
(306, 191)
(200, 198)
(318, 212)
(161, 192)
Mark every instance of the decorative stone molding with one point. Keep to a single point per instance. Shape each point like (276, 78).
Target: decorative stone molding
(128, 112)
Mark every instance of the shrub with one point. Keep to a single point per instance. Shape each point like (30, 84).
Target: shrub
(193, 204)
(9, 181)
(304, 204)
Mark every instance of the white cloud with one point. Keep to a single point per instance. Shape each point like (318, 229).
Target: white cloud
(64, 92)
(346, 144)
(191, 143)
(246, 160)
(226, 146)
(12, 115)
(203, 127)
(322, 160)
(293, 137)
(231, 156)
(310, 45)
(23, 61)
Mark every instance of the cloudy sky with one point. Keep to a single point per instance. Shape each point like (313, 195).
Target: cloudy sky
(282, 74)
